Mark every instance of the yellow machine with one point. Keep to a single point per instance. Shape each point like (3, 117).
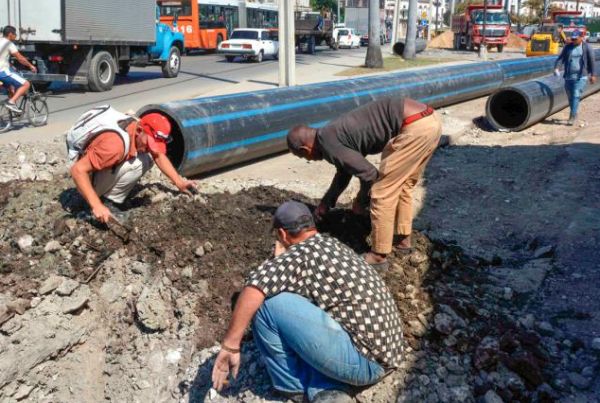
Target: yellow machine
(545, 41)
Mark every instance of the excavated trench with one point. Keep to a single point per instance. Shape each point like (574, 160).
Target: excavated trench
(206, 246)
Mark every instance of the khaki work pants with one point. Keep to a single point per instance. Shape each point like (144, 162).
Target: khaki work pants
(403, 162)
(116, 183)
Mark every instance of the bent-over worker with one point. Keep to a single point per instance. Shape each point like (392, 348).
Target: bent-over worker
(322, 318)
(407, 133)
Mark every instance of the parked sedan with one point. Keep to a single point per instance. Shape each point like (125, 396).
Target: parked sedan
(594, 38)
(250, 43)
(347, 38)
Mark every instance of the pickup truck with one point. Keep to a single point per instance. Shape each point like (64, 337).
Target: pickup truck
(89, 42)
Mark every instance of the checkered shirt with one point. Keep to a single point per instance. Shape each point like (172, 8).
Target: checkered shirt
(340, 282)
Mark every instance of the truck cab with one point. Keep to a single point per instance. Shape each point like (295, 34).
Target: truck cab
(469, 32)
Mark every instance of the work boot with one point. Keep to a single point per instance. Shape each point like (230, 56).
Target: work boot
(332, 396)
(13, 107)
(571, 120)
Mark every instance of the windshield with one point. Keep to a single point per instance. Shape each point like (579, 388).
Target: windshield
(569, 21)
(244, 35)
(492, 17)
(343, 32)
(170, 7)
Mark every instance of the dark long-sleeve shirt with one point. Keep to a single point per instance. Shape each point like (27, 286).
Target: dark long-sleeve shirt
(347, 140)
(587, 65)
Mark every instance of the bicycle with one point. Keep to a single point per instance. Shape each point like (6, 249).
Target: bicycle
(34, 107)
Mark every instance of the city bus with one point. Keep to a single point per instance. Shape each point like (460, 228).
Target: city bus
(200, 32)
(210, 22)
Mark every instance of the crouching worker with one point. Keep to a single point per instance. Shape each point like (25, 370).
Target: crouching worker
(322, 318)
(406, 133)
(110, 151)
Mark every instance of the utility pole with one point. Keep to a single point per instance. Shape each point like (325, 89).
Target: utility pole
(411, 31)
(452, 5)
(519, 15)
(339, 16)
(374, 59)
(482, 45)
(437, 15)
(395, 24)
(429, 15)
(287, 45)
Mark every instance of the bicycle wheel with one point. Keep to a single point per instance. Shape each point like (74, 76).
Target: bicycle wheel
(5, 119)
(37, 111)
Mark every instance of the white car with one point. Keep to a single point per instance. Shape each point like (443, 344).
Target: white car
(250, 43)
(594, 38)
(348, 38)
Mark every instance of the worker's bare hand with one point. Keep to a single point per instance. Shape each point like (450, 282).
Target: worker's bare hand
(593, 79)
(225, 363)
(320, 211)
(186, 186)
(102, 213)
(33, 69)
(358, 208)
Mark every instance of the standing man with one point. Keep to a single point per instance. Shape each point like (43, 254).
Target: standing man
(115, 160)
(407, 133)
(578, 61)
(324, 320)
(8, 77)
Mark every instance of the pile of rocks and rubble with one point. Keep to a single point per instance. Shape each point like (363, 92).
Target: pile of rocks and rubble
(134, 314)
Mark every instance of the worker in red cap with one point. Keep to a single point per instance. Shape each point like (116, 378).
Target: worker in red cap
(112, 153)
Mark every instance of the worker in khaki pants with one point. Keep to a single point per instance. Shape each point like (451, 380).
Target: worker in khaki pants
(407, 133)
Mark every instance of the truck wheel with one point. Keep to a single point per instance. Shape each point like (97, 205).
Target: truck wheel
(312, 46)
(101, 75)
(500, 48)
(456, 42)
(470, 44)
(170, 68)
(259, 57)
(124, 68)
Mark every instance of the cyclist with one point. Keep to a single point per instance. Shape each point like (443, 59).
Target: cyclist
(8, 76)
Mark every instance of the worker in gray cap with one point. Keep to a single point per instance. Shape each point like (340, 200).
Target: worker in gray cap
(322, 318)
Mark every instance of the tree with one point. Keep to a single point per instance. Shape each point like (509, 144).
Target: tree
(536, 7)
(411, 31)
(374, 59)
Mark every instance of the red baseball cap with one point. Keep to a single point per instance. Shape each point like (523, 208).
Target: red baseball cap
(158, 128)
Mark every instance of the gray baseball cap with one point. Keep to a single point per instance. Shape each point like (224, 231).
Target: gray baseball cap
(293, 216)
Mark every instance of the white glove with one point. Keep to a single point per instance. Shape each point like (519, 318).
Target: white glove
(557, 72)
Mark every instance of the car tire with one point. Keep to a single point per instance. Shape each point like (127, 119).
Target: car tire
(102, 72)
(500, 48)
(259, 57)
(229, 58)
(171, 66)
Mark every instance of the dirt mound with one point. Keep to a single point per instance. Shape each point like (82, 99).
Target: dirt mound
(515, 42)
(127, 313)
(443, 41)
(446, 41)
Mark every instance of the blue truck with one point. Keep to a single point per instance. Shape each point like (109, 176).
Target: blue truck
(89, 42)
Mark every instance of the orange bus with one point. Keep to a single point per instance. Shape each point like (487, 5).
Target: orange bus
(200, 32)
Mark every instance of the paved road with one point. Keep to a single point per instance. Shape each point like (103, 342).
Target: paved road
(201, 74)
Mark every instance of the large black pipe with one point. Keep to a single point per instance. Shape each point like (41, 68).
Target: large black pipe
(211, 133)
(420, 45)
(519, 106)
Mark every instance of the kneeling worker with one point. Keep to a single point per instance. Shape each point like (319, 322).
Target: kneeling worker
(111, 151)
(323, 318)
(406, 132)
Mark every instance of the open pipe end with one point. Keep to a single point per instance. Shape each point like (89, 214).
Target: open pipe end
(507, 109)
(176, 148)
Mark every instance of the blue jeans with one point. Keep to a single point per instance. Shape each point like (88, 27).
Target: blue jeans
(574, 89)
(306, 351)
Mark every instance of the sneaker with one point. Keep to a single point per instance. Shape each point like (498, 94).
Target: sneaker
(571, 120)
(13, 107)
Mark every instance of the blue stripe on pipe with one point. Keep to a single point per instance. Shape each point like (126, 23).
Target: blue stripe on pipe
(270, 136)
(242, 143)
(311, 102)
(333, 98)
(202, 100)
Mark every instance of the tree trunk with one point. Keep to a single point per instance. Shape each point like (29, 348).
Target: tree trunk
(411, 31)
(374, 58)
